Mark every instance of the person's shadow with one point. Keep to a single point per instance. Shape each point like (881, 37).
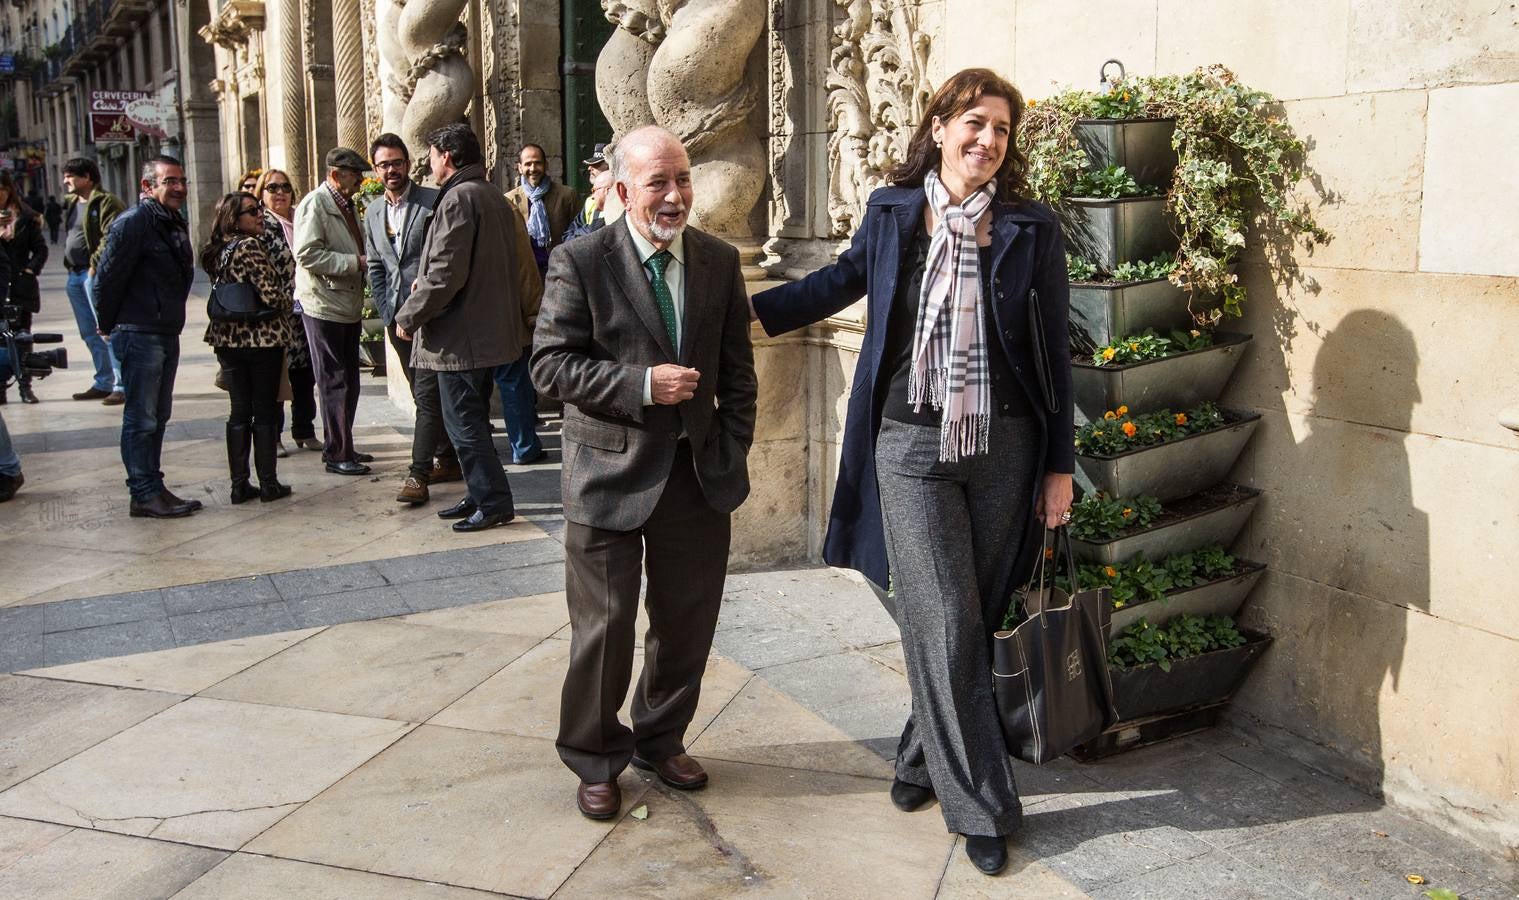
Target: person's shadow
(1348, 551)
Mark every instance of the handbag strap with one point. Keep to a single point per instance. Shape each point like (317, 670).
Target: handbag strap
(1062, 542)
(223, 260)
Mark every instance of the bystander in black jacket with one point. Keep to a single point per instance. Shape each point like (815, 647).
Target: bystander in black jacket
(26, 252)
(144, 275)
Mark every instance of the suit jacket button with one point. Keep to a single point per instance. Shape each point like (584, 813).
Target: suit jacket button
(1004, 407)
(1001, 296)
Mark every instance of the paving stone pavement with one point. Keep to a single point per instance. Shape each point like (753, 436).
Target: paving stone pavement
(381, 725)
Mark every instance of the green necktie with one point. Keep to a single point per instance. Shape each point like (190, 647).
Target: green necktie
(656, 265)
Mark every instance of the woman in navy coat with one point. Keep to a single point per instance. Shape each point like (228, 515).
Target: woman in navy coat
(958, 446)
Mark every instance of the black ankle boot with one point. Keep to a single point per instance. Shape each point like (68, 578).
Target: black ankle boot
(239, 440)
(987, 852)
(266, 439)
(909, 797)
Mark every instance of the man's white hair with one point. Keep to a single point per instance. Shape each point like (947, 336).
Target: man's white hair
(648, 135)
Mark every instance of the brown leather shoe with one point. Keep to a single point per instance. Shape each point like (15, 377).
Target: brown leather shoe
(412, 491)
(445, 471)
(679, 771)
(114, 398)
(598, 799)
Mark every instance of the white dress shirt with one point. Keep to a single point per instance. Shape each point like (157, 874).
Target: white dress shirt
(675, 277)
(395, 217)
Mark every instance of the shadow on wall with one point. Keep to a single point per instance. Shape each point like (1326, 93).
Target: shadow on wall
(1349, 550)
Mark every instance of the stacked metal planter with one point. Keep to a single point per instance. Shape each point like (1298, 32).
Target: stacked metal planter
(1186, 475)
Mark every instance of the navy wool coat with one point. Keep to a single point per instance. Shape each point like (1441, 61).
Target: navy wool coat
(1028, 265)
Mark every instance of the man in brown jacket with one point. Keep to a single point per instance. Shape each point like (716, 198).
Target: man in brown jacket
(547, 206)
(472, 309)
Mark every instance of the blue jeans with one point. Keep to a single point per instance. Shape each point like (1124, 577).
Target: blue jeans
(81, 298)
(148, 365)
(519, 406)
(10, 463)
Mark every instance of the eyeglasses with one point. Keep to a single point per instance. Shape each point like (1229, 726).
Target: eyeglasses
(174, 182)
(389, 164)
(279, 187)
(251, 211)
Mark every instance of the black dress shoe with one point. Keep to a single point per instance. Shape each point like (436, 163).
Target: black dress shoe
(26, 394)
(540, 456)
(175, 499)
(363, 457)
(909, 797)
(159, 507)
(987, 853)
(9, 485)
(93, 393)
(347, 467)
(461, 510)
(480, 520)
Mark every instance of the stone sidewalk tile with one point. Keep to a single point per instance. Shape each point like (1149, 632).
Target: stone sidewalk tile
(18, 838)
(493, 557)
(358, 605)
(1101, 838)
(43, 723)
(773, 832)
(536, 616)
(86, 863)
(462, 590)
(63, 647)
(243, 876)
(1025, 876)
(837, 605)
(327, 580)
(757, 635)
(196, 598)
(1217, 876)
(384, 670)
(761, 725)
(208, 772)
(236, 622)
(183, 670)
(110, 609)
(467, 808)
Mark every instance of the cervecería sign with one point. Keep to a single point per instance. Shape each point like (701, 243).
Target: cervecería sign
(108, 116)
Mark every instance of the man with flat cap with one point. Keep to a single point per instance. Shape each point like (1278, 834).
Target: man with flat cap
(644, 336)
(329, 288)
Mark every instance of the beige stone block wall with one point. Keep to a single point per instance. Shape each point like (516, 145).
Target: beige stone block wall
(1380, 366)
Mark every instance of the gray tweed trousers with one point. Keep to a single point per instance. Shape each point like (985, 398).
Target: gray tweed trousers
(951, 530)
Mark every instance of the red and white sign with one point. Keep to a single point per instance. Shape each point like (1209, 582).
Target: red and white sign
(109, 119)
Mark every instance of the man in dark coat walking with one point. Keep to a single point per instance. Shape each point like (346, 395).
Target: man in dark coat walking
(471, 310)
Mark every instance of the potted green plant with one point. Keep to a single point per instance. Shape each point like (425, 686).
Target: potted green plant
(1110, 529)
(1189, 661)
(1235, 155)
(372, 336)
(1164, 454)
(1208, 581)
(1110, 218)
(1149, 371)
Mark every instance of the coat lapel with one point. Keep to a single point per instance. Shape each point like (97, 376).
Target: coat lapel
(627, 270)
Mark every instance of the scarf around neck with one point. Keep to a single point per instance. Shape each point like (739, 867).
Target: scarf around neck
(538, 214)
(950, 371)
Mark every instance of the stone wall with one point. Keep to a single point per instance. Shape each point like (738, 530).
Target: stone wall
(1391, 511)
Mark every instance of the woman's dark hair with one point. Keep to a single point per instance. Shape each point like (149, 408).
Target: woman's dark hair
(223, 229)
(961, 92)
(459, 142)
(390, 141)
(8, 184)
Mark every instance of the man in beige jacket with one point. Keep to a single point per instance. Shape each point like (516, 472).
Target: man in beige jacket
(329, 286)
(472, 309)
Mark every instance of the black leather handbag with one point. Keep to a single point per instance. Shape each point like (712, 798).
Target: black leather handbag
(236, 301)
(1041, 354)
(1050, 673)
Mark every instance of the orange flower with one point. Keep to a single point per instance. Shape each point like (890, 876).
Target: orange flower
(1049, 552)
(1123, 410)
(1127, 512)
(1109, 353)
(1032, 103)
(1133, 346)
(1110, 571)
(1181, 418)
(1097, 434)
(1110, 415)
(1129, 429)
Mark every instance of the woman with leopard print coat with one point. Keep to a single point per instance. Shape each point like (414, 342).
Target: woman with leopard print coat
(251, 353)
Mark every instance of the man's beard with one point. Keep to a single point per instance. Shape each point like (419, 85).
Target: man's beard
(665, 233)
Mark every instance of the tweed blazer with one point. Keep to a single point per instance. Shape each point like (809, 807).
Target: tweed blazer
(328, 280)
(390, 276)
(561, 203)
(599, 331)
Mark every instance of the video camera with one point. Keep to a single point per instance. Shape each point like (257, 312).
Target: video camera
(21, 360)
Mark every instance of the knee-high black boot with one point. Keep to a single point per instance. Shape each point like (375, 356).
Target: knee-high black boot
(266, 439)
(239, 439)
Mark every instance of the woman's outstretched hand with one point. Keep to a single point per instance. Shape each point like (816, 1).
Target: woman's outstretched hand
(1055, 499)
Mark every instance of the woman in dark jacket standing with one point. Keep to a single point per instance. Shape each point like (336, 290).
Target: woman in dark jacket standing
(953, 459)
(21, 238)
(251, 353)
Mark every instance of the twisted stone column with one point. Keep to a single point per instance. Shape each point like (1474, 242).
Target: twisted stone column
(348, 73)
(422, 44)
(292, 80)
(693, 84)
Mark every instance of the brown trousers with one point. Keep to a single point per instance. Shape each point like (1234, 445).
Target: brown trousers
(683, 548)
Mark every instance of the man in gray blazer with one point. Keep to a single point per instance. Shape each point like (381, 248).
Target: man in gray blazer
(394, 229)
(644, 336)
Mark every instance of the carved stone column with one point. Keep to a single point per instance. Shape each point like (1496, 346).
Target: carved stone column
(321, 95)
(429, 79)
(287, 62)
(348, 74)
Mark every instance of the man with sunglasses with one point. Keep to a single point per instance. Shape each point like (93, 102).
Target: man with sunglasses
(141, 285)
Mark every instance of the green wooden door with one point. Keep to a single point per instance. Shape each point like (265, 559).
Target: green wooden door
(585, 31)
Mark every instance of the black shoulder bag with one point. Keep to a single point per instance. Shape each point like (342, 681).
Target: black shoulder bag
(236, 301)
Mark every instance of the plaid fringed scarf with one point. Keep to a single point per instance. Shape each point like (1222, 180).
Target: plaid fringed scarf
(949, 356)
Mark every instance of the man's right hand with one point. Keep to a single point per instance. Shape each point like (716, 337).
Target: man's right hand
(671, 384)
